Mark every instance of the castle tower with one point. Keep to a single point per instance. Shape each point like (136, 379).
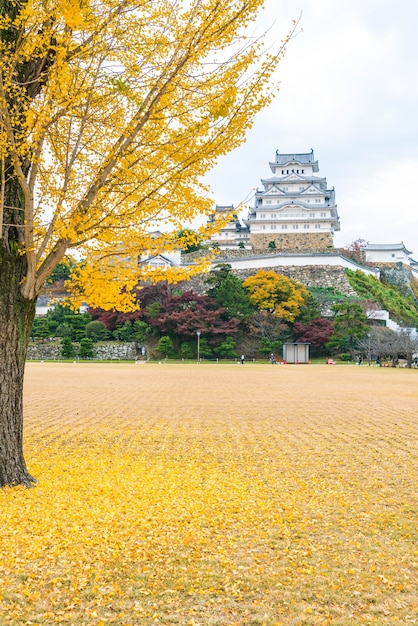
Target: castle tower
(232, 236)
(294, 209)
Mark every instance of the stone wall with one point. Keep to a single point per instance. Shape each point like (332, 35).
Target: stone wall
(399, 275)
(308, 275)
(106, 351)
(293, 242)
(50, 350)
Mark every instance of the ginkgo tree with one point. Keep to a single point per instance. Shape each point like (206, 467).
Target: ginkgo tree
(110, 113)
(278, 294)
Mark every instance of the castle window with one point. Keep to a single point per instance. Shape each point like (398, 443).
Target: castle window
(317, 200)
(312, 215)
(284, 226)
(317, 226)
(273, 227)
(272, 216)
(262, 216)
(306, 226)
(295, 226)
(303, 171)
(323, 214)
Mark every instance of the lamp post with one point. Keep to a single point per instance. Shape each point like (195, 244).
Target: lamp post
(198, 333)
(369, 353)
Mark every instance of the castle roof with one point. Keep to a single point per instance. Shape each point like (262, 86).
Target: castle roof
(388, 247)
(303, 158)
(223, 208)
(303, 179)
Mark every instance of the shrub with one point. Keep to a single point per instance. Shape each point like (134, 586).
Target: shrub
(227, 348)
(86, 348)
(186, 350)
(67, 348)
(165, 346)
(96, 331)
(402, 308)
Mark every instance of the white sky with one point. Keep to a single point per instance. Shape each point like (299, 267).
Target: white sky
(349, 90)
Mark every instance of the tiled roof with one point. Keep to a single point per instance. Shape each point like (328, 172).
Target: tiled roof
(388, 246)
(303, 179)
(300, 157)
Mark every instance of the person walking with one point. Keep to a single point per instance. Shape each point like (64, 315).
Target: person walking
(242, 359)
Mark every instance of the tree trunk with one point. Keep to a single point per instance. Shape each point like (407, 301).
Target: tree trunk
(16, 318)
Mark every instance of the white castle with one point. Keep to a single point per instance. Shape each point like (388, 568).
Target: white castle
(295, 211)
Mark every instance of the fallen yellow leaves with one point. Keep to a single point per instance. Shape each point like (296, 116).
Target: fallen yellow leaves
(214, 495)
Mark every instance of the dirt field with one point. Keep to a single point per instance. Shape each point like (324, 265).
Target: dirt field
(214, 495)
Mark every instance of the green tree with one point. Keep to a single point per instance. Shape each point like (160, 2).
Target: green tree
(40, 328)
(152, 310)
(61, 272)
(270, 346)
(124, 332)
(309, 310)
(205, 349)
(65, 322)
(165, 346)
(229, 293)
(63, 330)
(86, 348)
(97, 331)
(77, 323)
(227, 348)
(52, 325)
(141, 331)
(350, 326)
(67, 348)
(187, 351)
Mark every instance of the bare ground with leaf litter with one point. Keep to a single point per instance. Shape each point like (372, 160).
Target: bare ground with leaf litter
(214, 495)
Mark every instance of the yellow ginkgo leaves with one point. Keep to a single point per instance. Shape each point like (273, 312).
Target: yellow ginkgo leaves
(213, 494)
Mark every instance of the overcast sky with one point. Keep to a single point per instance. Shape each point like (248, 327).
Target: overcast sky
(349, 90)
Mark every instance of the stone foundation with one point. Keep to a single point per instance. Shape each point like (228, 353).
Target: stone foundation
(293, 242)
(309, 275)
(107, 351)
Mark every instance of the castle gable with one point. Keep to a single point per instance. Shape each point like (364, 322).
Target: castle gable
(311, 189)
